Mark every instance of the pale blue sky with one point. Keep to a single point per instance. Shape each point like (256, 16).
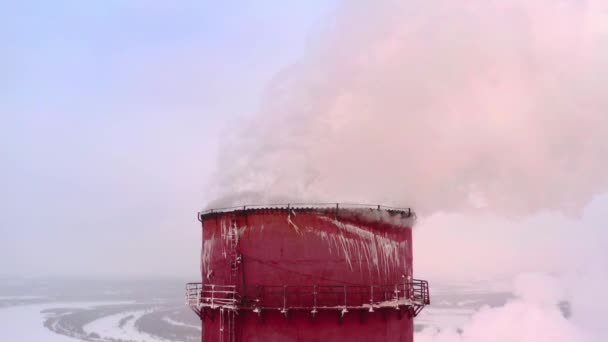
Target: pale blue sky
(111, 112)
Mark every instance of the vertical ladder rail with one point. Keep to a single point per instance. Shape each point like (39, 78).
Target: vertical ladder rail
(234, 260)
(232, 245)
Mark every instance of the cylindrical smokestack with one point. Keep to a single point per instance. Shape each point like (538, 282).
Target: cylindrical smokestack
(308, 272)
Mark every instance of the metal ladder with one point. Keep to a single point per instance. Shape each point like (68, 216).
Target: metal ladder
(228, 316)
(232, 240)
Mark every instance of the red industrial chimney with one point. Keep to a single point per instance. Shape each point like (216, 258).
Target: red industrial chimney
(307, 273)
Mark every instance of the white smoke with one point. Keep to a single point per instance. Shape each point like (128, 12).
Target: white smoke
(437, 105)
(457, 246)
(533, 316)
(449, 106)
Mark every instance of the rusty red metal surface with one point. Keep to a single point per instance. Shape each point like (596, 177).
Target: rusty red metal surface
(307, 274)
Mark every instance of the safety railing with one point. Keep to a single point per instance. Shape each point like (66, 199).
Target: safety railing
(420, 291)
(199, 296)
(413, 295)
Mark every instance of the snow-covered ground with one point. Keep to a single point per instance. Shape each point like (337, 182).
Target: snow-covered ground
(62, 309)
(26, 323)
(110, 327)
(161, 321)
(97, 321)
(181, 324)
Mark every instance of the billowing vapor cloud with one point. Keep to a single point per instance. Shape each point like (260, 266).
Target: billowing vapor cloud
(529, 318)
(447, 106)
(439, 105)
(532, 317)
(469, 247)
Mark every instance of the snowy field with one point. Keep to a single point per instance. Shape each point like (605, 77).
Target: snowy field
(153, 316)
(61, 310)
(26, 322)
(97, 321)
(119, 326)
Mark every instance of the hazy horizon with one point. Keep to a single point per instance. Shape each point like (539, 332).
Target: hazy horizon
(111, 118)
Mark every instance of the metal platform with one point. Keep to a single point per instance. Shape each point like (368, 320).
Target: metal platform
(411, 297)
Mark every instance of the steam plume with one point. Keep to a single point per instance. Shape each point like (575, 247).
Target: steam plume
(439, 105)
(447, 106)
